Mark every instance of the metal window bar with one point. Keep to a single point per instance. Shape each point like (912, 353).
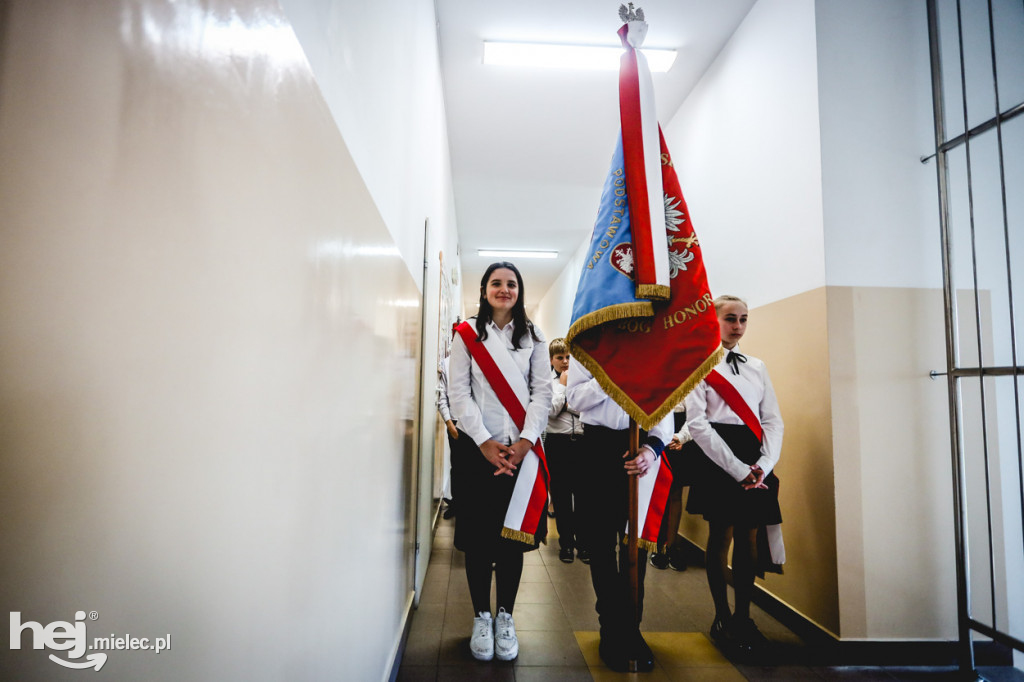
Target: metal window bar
(983, 397)
(967, 623)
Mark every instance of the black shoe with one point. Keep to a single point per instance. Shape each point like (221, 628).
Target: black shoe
(659, 561)
(449, 509)
(677, 558)
(584, 555)
(720, 631)
(642, 654)
(565, 555)
(745, 634)
(613, 652)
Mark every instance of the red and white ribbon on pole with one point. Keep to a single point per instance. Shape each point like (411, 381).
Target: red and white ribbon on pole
(641, 146)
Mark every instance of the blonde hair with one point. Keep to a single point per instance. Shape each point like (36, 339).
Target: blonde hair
(726, 298)
(557, 346)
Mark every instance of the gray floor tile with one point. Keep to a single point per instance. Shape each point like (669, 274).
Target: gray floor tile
(417, 673)
(537, 593)
(535, 574)
(558, 649)
(476, 671)
(552, 674)
(541, 617)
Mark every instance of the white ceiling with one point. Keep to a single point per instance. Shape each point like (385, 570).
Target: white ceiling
(530, 148)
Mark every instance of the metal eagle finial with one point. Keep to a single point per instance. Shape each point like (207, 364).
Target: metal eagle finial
(628, 14)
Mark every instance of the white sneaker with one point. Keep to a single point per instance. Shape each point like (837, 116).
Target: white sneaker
(506, 644)
(481, 643)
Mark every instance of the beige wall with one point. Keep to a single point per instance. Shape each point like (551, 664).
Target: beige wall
(893, 495)
(207, 361)
(791, 337)
(865, 489)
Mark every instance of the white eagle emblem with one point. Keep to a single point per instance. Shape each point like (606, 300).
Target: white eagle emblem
(621, 259)
(674, 218)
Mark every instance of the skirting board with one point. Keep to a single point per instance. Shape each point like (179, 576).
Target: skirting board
(828, 650)
(414, 600)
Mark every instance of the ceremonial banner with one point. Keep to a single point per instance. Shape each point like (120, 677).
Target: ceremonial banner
(647, 339)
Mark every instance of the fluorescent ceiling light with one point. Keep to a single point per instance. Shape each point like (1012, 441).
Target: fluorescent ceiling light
(499, 253)
(569, 56)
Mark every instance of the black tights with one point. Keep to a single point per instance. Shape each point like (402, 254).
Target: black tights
(744, 559)
(508, 569)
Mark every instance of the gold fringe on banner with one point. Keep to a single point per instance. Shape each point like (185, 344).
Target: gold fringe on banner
(621, 311)
(660, 292)
(646, 421)
(642, 544)
(518, 535)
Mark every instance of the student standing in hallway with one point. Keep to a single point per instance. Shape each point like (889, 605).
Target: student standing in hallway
(603, 512)
(497, 350)
(444, 410)
(562, 444)
(734, 417)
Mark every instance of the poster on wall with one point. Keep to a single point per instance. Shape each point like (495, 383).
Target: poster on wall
(447, 317)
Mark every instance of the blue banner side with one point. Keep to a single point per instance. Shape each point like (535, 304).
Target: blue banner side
(601, 284)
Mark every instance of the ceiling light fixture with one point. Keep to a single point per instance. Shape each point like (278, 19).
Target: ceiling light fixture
(505, 253)
(569, 56)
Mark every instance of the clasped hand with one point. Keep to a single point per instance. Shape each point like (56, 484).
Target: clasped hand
(505, 458)
(755, 479)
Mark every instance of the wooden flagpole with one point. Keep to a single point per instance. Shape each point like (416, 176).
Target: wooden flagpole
(634, 534)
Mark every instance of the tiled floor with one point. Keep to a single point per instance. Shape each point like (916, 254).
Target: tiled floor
(557, 629)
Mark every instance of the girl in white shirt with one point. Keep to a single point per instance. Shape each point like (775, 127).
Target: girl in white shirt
(490, 448)
(737, 493)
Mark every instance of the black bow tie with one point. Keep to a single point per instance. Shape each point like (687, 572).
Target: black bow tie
(734, 359)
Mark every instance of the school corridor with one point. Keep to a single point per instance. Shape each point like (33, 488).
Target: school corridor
(235, 236)
(557, 629)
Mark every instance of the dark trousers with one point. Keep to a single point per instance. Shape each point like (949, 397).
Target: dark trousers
(453, 475)
(602, 503)
(565, 460)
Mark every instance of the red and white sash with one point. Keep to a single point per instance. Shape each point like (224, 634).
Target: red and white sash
(735, 401)
(529, 500)
(737, 404)
(652, 498)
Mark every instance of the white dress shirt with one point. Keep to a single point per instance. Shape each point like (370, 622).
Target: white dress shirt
(704, 405)
(473, 402)
(442, 391)
(562, 418)
(596, 408)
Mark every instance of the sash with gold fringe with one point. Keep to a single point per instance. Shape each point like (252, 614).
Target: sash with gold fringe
(529, 501)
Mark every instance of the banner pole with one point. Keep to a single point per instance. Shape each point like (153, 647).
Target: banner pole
(634, 533)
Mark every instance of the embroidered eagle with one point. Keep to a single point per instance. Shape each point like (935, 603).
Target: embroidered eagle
(629, 14)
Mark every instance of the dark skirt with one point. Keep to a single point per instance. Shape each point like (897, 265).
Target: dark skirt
(483, 502)
(687, 464)
(717, 497)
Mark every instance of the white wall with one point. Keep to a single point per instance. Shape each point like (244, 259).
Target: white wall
(554, 312)
(745, 144)
(378, 67)
(881, 202)
(881, 230)
(207, 339)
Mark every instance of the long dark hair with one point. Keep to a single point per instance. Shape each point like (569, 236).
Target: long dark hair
(519, 318)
